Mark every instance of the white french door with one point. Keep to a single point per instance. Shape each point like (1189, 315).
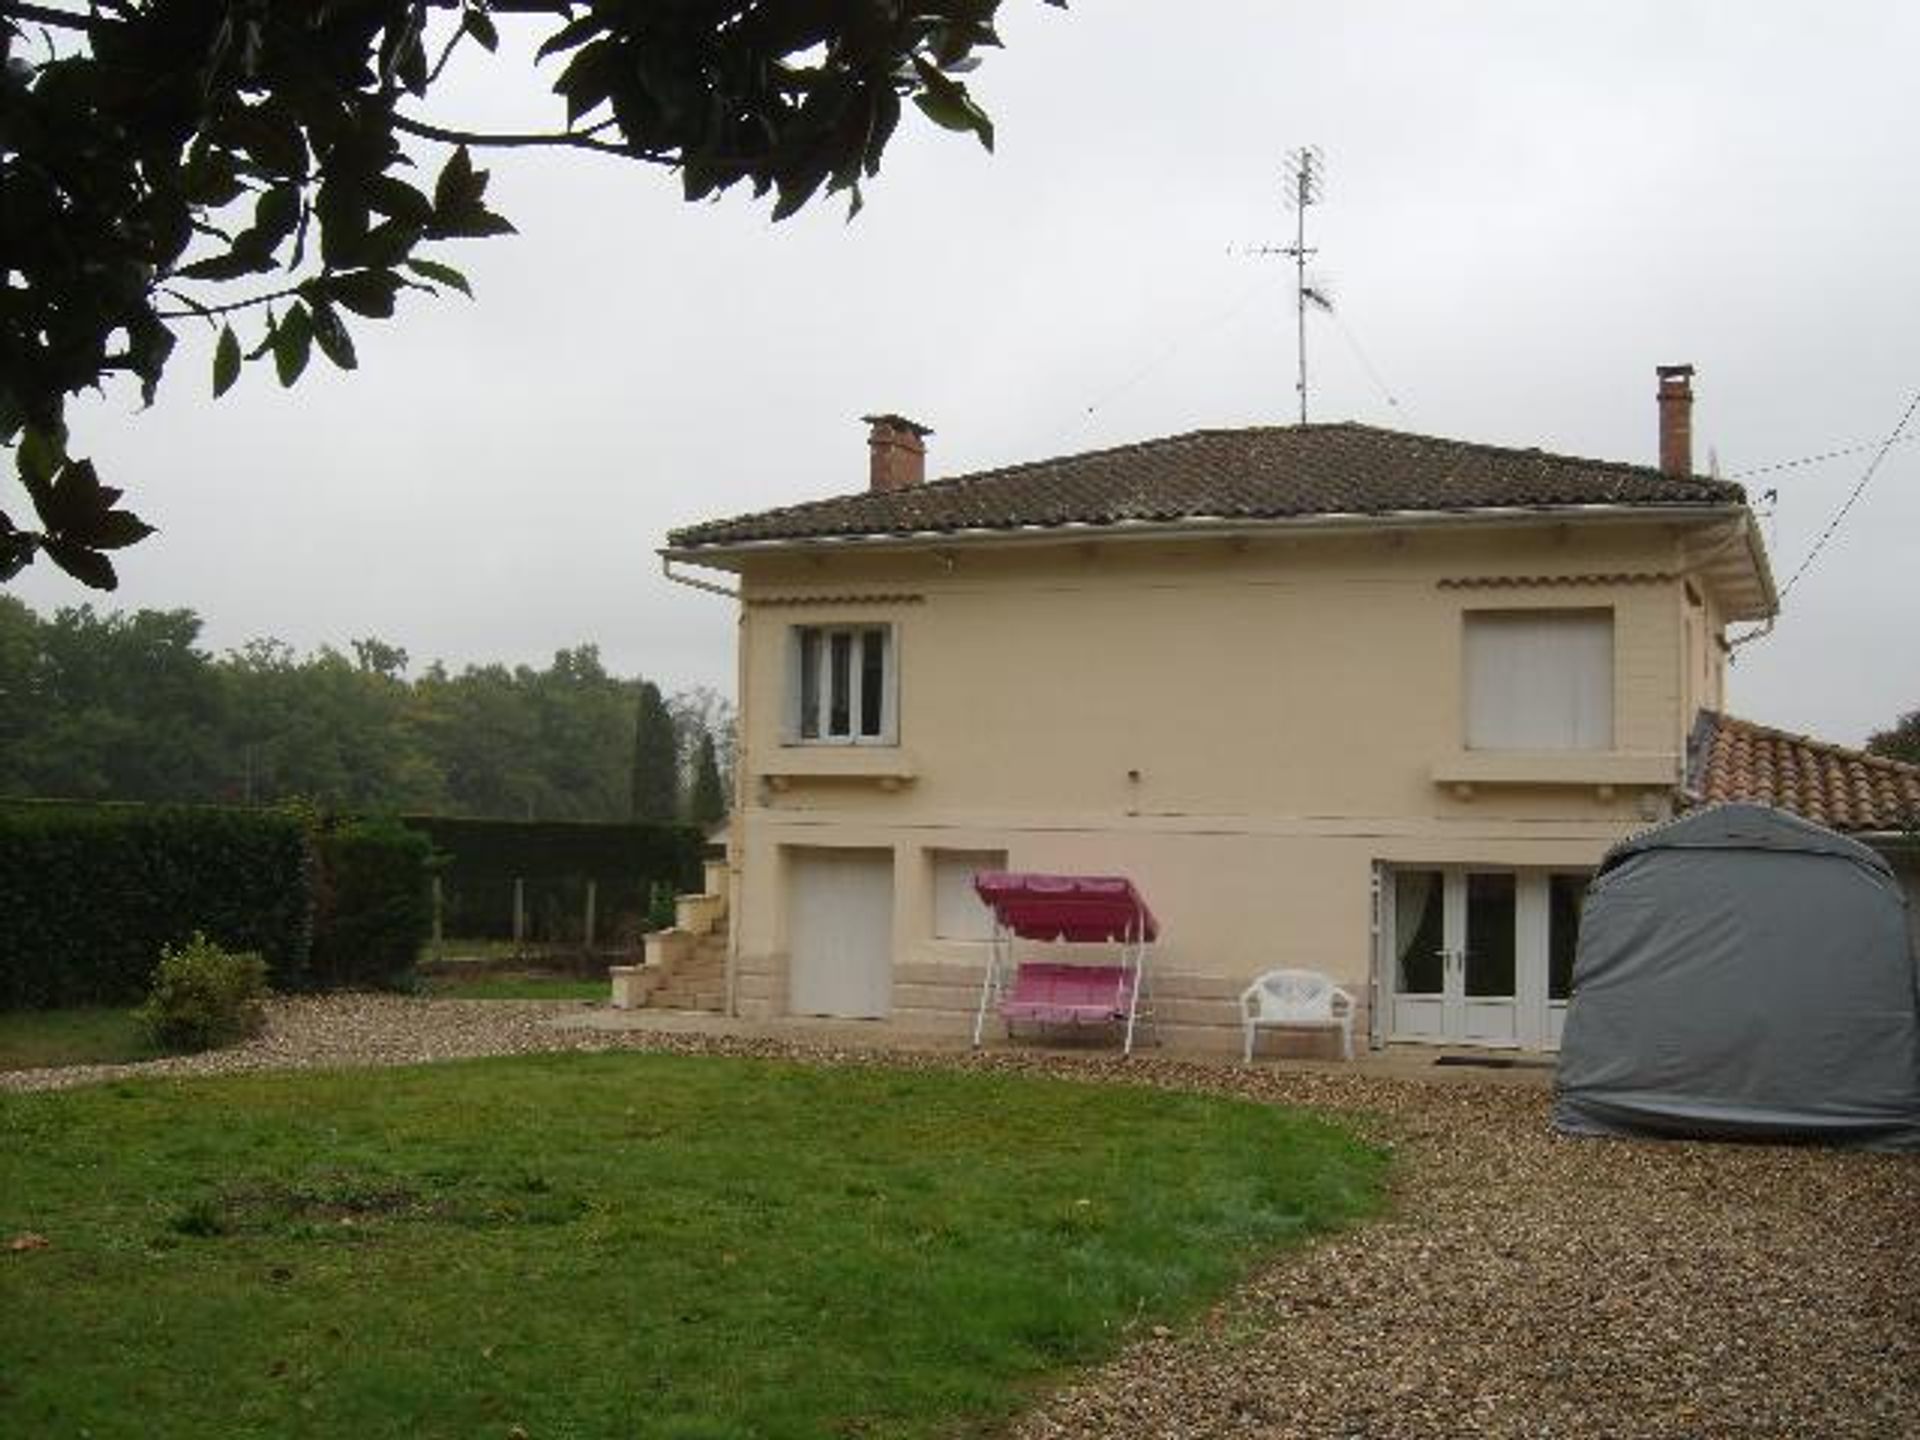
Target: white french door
(1478, 956)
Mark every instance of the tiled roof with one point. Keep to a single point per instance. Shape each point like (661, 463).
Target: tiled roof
(1831, 785)
(1272, 472)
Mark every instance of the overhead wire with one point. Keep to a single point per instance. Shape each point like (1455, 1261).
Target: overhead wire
(1173, 348)
(1803, 460)
(1859, 488)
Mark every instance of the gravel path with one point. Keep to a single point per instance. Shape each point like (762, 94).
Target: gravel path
(1521, 1285)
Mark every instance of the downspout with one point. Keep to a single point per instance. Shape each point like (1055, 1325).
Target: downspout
(738, 815)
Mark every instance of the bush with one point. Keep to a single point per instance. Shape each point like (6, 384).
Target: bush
(203, 996)
(89, 895)
(373, 911)
(661, 911)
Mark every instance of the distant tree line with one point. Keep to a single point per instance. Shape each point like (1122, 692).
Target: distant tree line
(132, 707)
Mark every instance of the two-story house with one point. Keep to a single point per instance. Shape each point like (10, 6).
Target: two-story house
(1333, 696)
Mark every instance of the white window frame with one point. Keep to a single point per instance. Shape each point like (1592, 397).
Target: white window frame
(856, 683)
(1487, 730)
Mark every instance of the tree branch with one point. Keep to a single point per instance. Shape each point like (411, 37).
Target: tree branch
(563, 140)
(198, 311)
(45, 15)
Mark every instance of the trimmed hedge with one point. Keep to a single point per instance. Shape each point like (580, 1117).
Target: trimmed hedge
(90, 894)
(482, 859)
(373, 910)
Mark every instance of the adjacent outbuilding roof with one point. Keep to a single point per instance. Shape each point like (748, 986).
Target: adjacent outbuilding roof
(1735, 760)
(1259, 473)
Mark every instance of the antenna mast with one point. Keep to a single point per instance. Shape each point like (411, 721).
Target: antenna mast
(1306, 179)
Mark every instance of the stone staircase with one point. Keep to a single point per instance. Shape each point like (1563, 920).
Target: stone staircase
(686, 966)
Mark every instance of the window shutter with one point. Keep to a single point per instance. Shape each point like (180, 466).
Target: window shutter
(1539, 680)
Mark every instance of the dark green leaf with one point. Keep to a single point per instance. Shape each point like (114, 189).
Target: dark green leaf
(569, 35)
(89, 567)
(945, 102)
(365, 292)
(226, 361)
(243, 259)
(444, 274)
(265, 347)
(75, 498)
(115, 530)
(399, 200)
(39, 458)
(459, 187)
(16, 549)
(331, 331)
(476, 224)
(149, 344)
(270, 136)
(292, 343)
(274, 217)
(208, 178)
(796, 189)
(479, 24)
(342, 208)
(589, 78)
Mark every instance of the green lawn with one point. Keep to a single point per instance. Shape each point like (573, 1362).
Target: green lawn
(30, 1039)
(617, 1245)
(518, 987)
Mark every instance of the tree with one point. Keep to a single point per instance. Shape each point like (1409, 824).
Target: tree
(1901, 741)
(656, 760)
(706, 802)
(244, 164)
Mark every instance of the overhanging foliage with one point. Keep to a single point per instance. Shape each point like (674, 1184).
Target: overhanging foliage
(251, 165)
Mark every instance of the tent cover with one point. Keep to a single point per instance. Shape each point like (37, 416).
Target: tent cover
(1079, 909)
(1743, 973)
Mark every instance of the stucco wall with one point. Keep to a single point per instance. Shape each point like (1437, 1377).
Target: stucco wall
(1246, 728)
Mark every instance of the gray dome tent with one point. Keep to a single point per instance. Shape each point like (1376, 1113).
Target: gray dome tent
(1743, 974)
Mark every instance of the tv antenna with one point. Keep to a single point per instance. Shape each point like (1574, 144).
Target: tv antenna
(1305, 183)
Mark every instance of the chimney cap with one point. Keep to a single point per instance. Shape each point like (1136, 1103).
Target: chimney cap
(1674, 372)
(888, 420)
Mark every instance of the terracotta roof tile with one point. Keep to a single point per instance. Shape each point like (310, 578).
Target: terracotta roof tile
(1271, 472)
(1831, 785)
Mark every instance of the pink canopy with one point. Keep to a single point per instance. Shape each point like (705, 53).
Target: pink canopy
(1081, 909)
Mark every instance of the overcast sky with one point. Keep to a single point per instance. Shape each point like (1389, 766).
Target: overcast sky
(1528, 207)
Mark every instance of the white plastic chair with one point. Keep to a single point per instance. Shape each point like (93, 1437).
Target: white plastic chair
(1297, 999)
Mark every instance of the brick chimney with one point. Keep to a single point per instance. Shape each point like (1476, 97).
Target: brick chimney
(1676, 418)
(897, 451)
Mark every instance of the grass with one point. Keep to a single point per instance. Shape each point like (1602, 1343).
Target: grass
(517, 987)
(618, 1245)
(32, 1039)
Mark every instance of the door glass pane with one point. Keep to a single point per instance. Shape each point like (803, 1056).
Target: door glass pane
(1565, 895)
(810, 684)
(840, 683)
(1418, 904)
(873, 678)
(1490, 940)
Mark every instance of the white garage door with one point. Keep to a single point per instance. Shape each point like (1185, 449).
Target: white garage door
(840, 918)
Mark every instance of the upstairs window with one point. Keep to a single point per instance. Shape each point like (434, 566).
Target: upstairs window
(841, 685)
(1539, 679)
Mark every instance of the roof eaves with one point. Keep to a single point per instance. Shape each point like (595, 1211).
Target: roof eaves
(1127, 528)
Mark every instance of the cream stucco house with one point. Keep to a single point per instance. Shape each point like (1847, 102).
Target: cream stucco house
(1333, 696)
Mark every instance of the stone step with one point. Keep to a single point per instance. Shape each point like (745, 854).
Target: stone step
(674, 998)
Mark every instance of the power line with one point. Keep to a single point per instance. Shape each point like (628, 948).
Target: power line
(1839, 454)
(1841, 514)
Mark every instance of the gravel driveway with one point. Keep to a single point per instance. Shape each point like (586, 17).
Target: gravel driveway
(1521, 1285)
